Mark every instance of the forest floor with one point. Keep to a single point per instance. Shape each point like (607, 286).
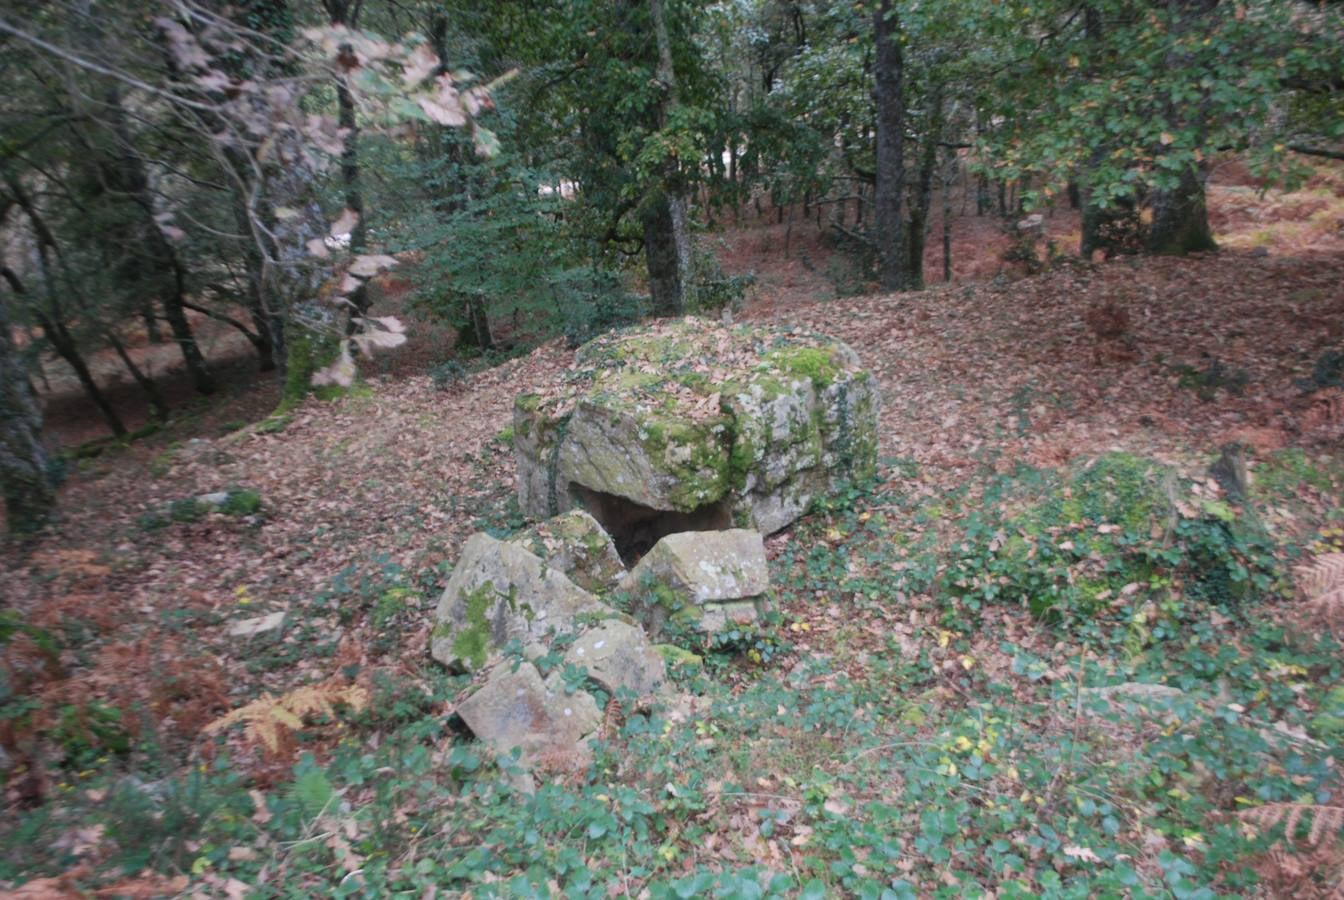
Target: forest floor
(881, 735)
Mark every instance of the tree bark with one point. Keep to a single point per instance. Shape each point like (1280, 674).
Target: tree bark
(344, 12)
(1180, 215)
(667, 232)
(1181, 218)
(24, 465)
(923, 201)
(949, 175)
(889, 192)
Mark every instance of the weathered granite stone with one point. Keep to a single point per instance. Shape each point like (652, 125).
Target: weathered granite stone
(704, 566)
(575, 543)
(704, 580)
(716, 617)
(619, 657)
(517, 709)
(747, 423)
(498, 592)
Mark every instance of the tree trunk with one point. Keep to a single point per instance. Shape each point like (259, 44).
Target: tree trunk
(660, 253)
(24, 472)
(1181, 218)
(669, 265)
(889, 191)
(949, 175)
(176, 315)
(919, 210)
(151, 319)
(343, 12)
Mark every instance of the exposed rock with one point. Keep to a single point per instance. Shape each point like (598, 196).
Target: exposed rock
(218, 498)
(619, 657)
(715, 617)
(498, 592)
(696, 419)
(705, 566)
(575, 543)
(707, 578)
(254, 627)
(517, 709)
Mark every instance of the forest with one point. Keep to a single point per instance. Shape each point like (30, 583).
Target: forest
(671, 448)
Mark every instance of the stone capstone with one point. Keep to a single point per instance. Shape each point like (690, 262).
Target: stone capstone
(693, 415)
(576, 545)
(500, 592)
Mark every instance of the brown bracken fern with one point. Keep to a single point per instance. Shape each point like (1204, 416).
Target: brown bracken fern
(1323, 828)
(271, 721)
(1322, 583)
(1324, 822)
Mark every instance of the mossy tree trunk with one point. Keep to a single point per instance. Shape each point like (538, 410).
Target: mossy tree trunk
(1181, 218)
(24, 466)
(893, 252)
(667, 228)
(306, 351)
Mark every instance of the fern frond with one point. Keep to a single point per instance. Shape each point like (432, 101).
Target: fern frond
(1325, 822)
(1323, 575)
(269, 720)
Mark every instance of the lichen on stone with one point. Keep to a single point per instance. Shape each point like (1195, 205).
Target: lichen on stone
(686, 413)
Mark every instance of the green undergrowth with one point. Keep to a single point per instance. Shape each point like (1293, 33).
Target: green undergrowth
(1116, 532)
(921, 725)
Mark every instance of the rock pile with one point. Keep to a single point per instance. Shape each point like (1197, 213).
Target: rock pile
(526, 594)
(659, 441)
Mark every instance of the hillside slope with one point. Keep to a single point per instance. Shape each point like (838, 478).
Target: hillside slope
(365, 500)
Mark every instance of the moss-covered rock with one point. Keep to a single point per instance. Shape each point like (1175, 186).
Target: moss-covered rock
(701, 580)
(576, 544)
(500, 592)
(689, 413)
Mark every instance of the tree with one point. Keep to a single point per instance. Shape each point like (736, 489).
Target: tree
(211, 131)
(889, 193)
(667, 231)
(622, 106)
(25, 469)
(1133, 101)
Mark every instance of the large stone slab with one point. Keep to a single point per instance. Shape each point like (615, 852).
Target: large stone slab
(575, 543)
(707, 580)
(705, 566)
(516, 709)
(619, 657)
(499, 592)
(691, 416)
